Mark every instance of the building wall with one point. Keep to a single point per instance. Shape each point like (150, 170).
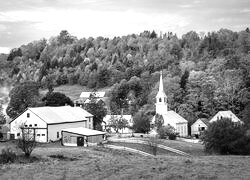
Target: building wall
(54, 130)
(70, 139)
(28, 119)
(182, 129)
(161, 108)
(195, 127)
(90, 123)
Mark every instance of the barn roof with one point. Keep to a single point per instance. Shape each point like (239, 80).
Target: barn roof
(225, 114)
(61, 114)
(83, 131)
(87, 94)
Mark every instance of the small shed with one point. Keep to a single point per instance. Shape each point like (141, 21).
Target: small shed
(82, 137)
(199, 126)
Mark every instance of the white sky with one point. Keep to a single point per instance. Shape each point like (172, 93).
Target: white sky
(22, 21)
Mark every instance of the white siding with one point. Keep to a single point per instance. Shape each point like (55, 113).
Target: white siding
(195, 127)
(54, 129)
(182, 129)
(23, 120)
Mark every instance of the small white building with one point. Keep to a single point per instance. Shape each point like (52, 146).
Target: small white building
(82, 137)
(107, 121)
(199, 126)
(170, 117)
(225, 114)
(48, 122)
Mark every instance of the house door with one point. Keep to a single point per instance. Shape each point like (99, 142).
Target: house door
(80, 141)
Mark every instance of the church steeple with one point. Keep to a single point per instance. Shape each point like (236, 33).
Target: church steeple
(161, 99)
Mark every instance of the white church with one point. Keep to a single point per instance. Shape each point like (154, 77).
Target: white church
(170, 117)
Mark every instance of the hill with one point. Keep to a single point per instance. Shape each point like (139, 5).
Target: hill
(202, 74)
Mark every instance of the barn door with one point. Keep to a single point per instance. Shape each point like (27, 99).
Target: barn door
(80, 141)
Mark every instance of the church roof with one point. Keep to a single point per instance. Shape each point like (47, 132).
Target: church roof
(171, 118)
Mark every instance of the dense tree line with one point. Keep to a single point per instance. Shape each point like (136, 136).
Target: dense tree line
(202, 73)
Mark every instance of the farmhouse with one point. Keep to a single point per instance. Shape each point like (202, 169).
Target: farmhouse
(170, 117)
(199, 126)
(225, 114)
(107, 122)
(81, 137)
(48, 122)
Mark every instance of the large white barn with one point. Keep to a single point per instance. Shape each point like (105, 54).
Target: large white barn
(48, 122)
(170, 117)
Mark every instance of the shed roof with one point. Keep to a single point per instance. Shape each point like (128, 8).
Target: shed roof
(61, 114)
(204, 120)
(83, 131)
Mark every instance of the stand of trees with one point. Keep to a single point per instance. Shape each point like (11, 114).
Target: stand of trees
(202, 74)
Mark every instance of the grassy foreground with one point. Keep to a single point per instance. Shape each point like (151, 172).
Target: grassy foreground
(58, 162)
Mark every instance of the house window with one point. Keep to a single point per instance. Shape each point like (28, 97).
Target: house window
(43, 134)
(57, 134)
(159, 99)
(30, 125)
(25, 125)
(89, 120)
(90, 126)
(35, 125)
(18, 134)
(28, 115)
(38, 135)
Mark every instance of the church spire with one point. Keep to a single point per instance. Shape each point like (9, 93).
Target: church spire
(161, 98)
(161, 84)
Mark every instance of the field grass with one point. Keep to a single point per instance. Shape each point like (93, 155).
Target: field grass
(143, 147)
(73, 91)
(195, 149)
(59, 162)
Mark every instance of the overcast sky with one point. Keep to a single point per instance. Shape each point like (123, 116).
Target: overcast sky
(23, 21)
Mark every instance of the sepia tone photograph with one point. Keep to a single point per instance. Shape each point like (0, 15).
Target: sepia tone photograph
(124, 89)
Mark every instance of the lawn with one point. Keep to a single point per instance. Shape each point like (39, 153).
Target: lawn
(57, 162)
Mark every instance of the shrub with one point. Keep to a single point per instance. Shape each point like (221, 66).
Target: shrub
(167, 132)
(7, 156)
(226, 137)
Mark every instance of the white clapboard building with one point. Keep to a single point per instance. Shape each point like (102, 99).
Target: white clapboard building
(170, 117)
(48, 122)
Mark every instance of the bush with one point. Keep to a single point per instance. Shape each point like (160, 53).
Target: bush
(7, 156)
(226, 137)
(167, 132)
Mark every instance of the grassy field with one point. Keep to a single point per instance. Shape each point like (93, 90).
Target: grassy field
(57, 162)
(144, 148)
(73, 91)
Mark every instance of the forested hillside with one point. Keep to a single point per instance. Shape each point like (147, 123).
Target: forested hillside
(202, 73)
